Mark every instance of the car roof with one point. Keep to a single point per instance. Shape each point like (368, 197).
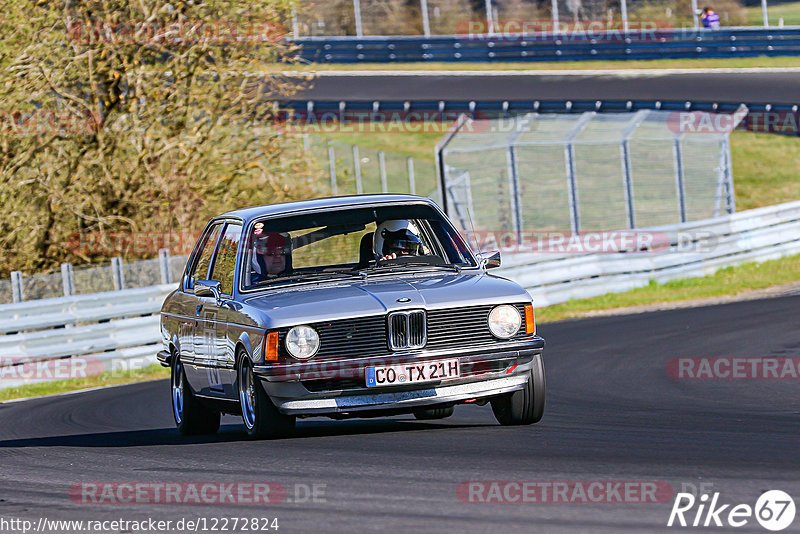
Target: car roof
(325, 203)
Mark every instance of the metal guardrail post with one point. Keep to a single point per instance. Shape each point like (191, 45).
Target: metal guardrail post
(695, 20)
(17, 293)
(764, 13)
(382, 167)
(163, 263)
(412, 184)
(117, 274)
(357, 169)
(554, 5)
(679, 185)
(67, 279)
(332, 167)
(489, 17)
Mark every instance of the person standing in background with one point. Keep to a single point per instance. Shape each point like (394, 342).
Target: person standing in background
(710, 19)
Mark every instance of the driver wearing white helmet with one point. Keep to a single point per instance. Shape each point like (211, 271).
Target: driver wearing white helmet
(396, 237)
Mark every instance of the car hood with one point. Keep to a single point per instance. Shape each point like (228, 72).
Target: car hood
(378, 295)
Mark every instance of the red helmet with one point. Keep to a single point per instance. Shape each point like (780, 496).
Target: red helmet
(273, 243)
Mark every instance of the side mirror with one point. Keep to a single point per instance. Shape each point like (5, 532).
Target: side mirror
(490, 259)
(207, 288)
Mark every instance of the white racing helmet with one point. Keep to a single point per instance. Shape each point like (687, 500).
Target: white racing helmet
(397, 234)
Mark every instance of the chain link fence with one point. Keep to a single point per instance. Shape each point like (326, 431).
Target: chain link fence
(317, 18)
(588, 172)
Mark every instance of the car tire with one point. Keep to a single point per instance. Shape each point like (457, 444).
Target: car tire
(434, 413)
(526, 406)
(191, 416)
(260, 416)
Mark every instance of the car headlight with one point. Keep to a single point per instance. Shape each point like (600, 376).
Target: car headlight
(504, 321)
(302, 342)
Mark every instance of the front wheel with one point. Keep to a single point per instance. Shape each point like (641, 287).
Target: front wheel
(191, 417)
(261, 418)
(526, 406)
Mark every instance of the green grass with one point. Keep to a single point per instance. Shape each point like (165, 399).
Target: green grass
(728, 281)
(790, 12)
(700, 63)
(152, 372)
(765, 169)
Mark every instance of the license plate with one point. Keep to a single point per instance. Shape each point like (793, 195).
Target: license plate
(412, 373)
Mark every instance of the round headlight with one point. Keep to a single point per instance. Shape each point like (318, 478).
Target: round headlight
(504, 321)
(302, 342)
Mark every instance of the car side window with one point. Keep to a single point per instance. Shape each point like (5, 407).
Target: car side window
(225, 261)
(209, 242)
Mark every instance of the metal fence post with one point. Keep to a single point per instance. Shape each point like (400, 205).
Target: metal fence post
(764, 13)
(729, 177)
(295, 25)
(679, 185)
(357, 11)
(554, 5)
(624, 14)
(357, 169)
(163, 263)
(67, 279)
(513, 179)
(572, 188)
(332, 167)
(626, 175)
(694, 15)
(489, 17)
(17, 293)
(426, 22)
(382, 166)
(117, 273)
(412, 183)
(569, 159)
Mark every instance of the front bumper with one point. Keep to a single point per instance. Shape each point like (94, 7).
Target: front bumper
(337, 387)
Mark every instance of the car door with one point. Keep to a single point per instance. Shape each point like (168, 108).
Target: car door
(221, 357)
(196, 321)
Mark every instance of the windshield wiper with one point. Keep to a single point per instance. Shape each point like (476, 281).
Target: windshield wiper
(307, 276)
(411, 267)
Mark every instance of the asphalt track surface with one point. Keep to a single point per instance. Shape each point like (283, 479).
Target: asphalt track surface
(612, 414)
(770, 86)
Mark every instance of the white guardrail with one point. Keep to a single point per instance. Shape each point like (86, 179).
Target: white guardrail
(121, 328)
(694, 249)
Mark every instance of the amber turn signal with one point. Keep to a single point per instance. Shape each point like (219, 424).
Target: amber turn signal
(530, 320)
(271, 347)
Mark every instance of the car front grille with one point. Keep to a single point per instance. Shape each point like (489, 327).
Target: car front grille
(452, 328)
(407, 330)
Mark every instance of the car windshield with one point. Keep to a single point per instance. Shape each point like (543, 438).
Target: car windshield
(343, 243)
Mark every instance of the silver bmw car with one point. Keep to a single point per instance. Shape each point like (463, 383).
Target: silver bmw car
(359, 306)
